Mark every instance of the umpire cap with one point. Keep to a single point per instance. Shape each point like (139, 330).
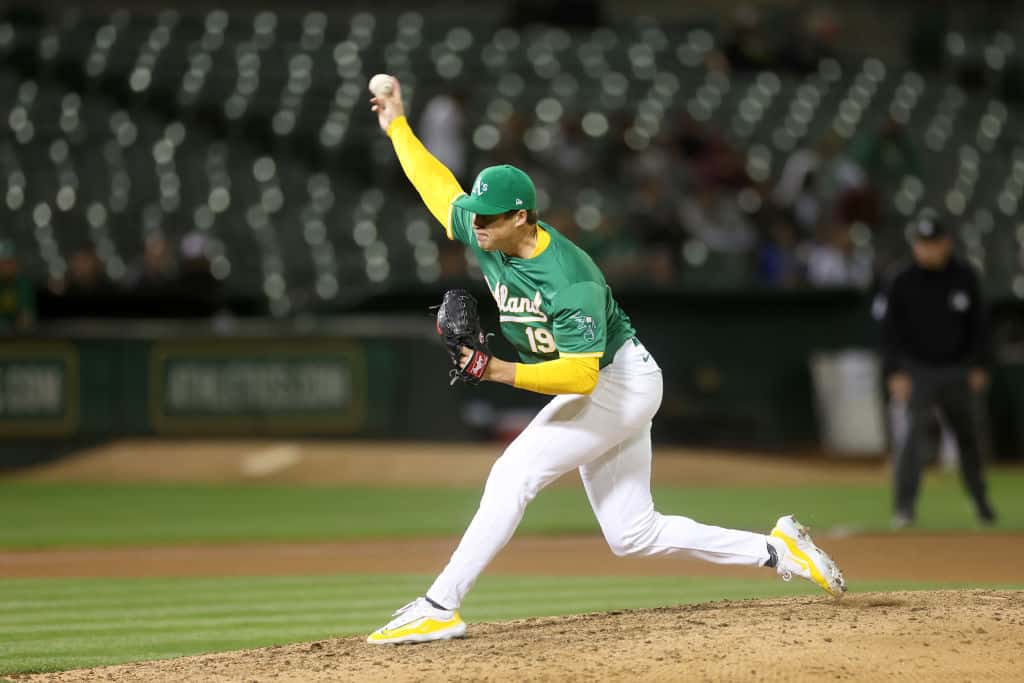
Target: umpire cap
(928, 226)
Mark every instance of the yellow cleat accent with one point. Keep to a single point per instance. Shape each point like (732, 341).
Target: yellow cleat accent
(419, 622)
(798, 556)
(805, 559)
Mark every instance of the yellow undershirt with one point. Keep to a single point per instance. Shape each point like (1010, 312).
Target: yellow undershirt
(438, 188)
(559, 376)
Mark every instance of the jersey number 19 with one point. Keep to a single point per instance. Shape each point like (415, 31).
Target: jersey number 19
(541, 341)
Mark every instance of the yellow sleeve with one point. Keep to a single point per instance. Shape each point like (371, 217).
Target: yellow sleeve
(432, 179)
(572, 375)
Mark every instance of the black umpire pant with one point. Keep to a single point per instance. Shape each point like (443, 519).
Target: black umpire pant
(947, 389)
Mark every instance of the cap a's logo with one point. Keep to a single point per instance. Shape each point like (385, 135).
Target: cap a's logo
(479, 188)
(519, 202)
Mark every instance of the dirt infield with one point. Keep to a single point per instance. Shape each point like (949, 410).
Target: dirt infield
(956, 557)
(928, 636)
(408, 464)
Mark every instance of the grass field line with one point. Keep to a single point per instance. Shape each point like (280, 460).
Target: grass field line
(101, 585)
(41, 514)
(89, 594)
(298, 626)
(103, 591)
(104, 587)
(58, 588)
(345, 624)
(167, 597)
(344, 619)
(324, 601)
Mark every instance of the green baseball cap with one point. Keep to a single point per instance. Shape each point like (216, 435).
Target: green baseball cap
(499, 189)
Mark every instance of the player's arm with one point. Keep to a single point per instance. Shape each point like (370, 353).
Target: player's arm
(568, 375)
(579, 328)
(432, 179)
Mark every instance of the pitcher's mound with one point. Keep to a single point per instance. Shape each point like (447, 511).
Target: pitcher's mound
(939, 635)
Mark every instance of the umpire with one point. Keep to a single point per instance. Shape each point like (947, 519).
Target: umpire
(935, 346)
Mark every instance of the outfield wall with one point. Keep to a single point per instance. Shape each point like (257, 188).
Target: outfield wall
(736, 369)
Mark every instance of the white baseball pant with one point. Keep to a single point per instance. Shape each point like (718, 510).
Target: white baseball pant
(607, 435)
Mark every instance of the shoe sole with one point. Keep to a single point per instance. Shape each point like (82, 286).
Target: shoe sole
(448, 634)
(831, 577)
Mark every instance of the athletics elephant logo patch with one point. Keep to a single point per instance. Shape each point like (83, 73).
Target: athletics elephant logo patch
(585, 325)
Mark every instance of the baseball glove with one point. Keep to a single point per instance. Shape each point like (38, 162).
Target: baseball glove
(458, 323)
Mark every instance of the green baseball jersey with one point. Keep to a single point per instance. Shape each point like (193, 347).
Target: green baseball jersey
(555, 304)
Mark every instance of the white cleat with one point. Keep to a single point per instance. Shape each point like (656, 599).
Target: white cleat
(419, 622)
(800, 557)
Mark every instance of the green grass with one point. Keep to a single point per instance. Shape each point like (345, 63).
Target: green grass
(56, 624)
(38, 515)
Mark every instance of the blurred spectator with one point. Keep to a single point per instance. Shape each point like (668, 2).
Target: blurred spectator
(655, 163)
(158, 268)
(571, 154)
(703, 156)
(442, 127)
(714, 217)
(777, 263)
(86, 276)
(806, 206)
(749, 46)
(510, 148)
(833, 261)
(812, 179)
(886, 154)
(199, 292)
(17, 295)
(84, 290)
(612, 245)
(652, 215)
(815, 40)
(858, 205)
(797, 189)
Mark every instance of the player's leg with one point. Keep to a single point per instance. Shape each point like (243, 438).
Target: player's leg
(569, 431)
(618, 485)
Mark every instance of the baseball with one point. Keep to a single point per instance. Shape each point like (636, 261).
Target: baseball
(382, 84)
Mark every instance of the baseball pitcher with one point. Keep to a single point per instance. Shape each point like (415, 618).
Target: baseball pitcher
(576, 344)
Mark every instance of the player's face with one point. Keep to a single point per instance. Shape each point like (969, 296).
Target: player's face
(496, 233)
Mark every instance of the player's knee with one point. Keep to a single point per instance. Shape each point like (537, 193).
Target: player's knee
(624, 544)
(621, 547)
(627, 546)
(513, 480)
(632, 540)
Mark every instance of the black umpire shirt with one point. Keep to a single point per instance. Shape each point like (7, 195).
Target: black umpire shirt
(934, 318)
